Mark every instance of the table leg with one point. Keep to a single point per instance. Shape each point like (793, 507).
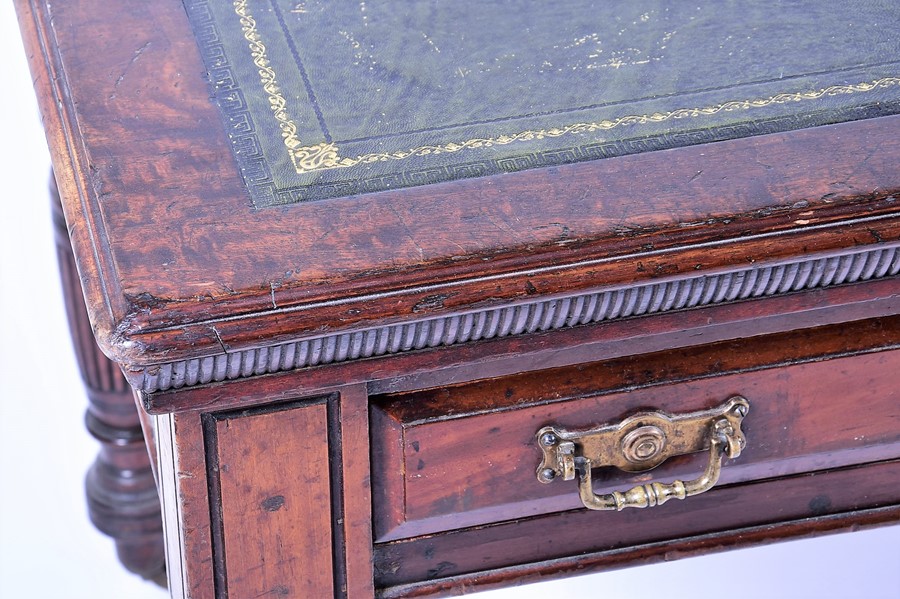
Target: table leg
(122, 498)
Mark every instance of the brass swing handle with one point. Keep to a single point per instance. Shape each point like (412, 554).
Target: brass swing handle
(640, 443)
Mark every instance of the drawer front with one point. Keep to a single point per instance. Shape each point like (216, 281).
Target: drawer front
(466, 456)
(582, 541)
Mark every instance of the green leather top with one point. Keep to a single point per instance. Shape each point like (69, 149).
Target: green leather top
(327, 98)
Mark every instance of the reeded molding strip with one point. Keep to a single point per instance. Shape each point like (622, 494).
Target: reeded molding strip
(539, 315)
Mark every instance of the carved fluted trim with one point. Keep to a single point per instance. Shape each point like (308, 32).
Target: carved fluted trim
(531, 317)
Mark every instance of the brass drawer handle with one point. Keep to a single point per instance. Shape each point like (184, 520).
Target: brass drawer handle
(639, 443)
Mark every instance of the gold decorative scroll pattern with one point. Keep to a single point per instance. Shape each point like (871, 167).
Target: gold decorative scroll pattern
(324, 156)
(267, 76)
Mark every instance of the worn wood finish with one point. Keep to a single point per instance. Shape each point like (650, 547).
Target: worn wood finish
(647, 372)
(165, 267)
(355, 505)
(201, 541)
(648, 553)
(523, 318)
(430, 477)
(599, 536)
(184, 488)
(631, 372)
(121, 490)
(266, 478)
(496, 288)
(275, 535)
(501, 356)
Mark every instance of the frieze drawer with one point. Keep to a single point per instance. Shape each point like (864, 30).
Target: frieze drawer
(470, 455)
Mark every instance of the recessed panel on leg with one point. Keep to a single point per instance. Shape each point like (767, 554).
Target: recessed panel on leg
(270, 484)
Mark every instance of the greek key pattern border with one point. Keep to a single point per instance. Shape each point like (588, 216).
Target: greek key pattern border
(531, 317)
(257, 175)
(324, 156)
(596, 151)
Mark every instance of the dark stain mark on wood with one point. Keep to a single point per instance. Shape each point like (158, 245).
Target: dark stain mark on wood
(420, 465)
(273, 503)
(430, 302)
(438, 570)
(665, 269)
(820, 504)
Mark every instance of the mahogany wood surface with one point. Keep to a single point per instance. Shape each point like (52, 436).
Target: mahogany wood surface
(589, 535)
(631, 372)
(649, 553)
(274, 495)
(205, 543)
(173, 253)
(509, 355)
(805, 366)
(441, 463)
(355, 512)
(810, 275)
(121, 489)
(412, 473)
(192, 547)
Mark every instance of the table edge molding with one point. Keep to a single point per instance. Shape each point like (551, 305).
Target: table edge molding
(521, 318)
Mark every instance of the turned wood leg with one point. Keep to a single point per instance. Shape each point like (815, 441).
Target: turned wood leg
(121, 490)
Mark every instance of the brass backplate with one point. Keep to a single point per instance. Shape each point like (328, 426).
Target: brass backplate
(637, 443)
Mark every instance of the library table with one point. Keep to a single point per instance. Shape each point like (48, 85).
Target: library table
(419, 298)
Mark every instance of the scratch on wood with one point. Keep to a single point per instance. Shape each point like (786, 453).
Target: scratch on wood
(137, 54)
(409, 232)
(219, 339)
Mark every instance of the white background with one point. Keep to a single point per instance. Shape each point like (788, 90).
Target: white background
(48, 549)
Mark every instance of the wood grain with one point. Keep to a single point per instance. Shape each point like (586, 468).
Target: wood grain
(175, 256)
(275, 502)
(185, 497)
(432, 478)
(585, 540)
(266, 475)
(355, 516)
(508, 355)
(528, 317)
(649, 553)
(120, 485)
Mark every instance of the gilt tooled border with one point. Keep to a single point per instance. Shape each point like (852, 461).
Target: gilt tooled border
(324, 156)
(260, 182)
(531, 317)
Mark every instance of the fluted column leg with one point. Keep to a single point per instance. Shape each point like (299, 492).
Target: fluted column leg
(121, 490)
